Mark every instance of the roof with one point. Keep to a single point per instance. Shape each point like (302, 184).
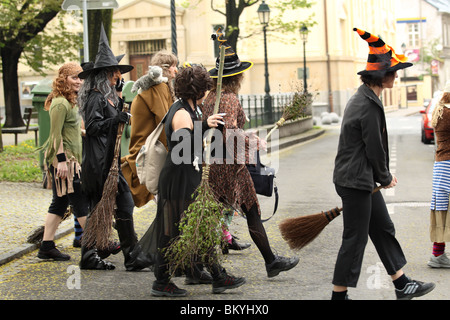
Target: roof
(441, 5)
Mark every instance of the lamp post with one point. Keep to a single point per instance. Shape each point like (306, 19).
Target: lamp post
(404, 77)
(264, 17)
(304, 37)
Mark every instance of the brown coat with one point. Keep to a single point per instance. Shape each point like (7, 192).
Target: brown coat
(147, 109)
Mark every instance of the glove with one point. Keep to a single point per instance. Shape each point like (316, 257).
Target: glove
(119, 85)
(122, 117)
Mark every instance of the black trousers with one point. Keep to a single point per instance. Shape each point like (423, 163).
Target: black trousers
(365, 214)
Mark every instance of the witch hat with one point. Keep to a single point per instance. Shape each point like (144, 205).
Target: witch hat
(382, 57)
(232, 65)
(105, 58)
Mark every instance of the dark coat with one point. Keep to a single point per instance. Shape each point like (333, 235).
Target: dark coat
(363, 155)
(101, 125)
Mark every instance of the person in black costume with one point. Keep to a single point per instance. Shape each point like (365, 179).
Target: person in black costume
(178, 181)
(101, 109)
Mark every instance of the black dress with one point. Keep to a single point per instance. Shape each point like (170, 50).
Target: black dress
(177, 183)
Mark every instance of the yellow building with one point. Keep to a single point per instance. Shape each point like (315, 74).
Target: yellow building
(334, 52)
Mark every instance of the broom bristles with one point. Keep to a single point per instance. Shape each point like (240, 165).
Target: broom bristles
(99, 225)
(300, 231)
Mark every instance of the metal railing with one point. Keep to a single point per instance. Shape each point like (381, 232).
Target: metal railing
(253, 106)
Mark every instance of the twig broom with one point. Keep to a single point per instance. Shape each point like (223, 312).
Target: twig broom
(201, 225)
(99, 224)
(300, 231)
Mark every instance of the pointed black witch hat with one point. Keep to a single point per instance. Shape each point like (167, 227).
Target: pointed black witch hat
(105, 58)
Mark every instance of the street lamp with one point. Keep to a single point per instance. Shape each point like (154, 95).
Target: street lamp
(404, 76)
(304, 37)
(264, 17)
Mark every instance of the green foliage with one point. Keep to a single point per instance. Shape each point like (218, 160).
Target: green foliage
(200, 232)
(20, 163)
(21, 22)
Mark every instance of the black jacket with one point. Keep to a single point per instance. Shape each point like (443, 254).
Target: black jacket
(363, 155)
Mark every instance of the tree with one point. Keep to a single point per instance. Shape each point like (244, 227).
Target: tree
(95, 19)
(22, 36)
(234, 9)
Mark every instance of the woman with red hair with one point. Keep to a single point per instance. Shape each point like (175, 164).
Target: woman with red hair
(63, 156)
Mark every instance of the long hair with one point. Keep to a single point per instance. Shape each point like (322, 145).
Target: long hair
(99, 81)
(60, 85)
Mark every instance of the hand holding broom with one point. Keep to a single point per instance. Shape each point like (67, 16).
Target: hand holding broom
(300, 231)
(99, 224)
(201, 225)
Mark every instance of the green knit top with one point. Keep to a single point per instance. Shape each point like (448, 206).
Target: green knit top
(65, 124)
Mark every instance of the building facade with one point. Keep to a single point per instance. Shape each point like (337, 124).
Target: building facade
(334, 52)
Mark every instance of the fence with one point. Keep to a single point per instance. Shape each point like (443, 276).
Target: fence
(253, 106)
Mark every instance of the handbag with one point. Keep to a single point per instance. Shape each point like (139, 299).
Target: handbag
(150, 159)
(264, 181)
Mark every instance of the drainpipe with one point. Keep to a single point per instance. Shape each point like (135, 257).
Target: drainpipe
(330, 92)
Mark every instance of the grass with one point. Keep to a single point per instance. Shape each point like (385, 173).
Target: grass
(20, 163)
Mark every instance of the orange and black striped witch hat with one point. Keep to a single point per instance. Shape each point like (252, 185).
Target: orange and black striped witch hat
(382, 58)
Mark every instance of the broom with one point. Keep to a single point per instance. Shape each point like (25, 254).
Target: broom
(293, 110)
(201, 223)
(99, 224)
(37, 235)
(300, 231)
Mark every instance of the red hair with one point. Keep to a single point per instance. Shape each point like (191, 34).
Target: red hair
(60, 86)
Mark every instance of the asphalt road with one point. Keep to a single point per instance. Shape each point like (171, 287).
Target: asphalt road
(304, 179)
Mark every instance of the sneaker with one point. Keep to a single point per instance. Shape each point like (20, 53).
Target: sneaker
(167, 290)
(227, 281)
(441, 261)
(54, 254)
(414, 289)
(280, 264)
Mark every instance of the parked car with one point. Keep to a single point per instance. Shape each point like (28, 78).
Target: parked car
(427, 131)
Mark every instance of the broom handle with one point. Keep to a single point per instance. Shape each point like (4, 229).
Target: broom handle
(216, 106)
(374, 191)
(120, 129)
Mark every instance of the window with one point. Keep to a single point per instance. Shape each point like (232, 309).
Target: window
(414, 35)
(147, 47)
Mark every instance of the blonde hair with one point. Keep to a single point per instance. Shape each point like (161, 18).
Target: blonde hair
(61, 87)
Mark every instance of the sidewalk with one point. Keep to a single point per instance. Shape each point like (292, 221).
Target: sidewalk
(23, 206)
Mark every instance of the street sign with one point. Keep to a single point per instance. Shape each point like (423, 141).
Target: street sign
(85, 5)
(90, 4)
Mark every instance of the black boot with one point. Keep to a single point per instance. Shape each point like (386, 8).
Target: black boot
(135, 259)
(91, 261)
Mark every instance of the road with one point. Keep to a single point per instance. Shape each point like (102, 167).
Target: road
(305, 185)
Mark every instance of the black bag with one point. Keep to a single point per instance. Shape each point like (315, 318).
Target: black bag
(264, 181)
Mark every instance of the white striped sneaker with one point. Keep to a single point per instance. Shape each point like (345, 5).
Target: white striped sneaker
(441, 261)
(414, 289)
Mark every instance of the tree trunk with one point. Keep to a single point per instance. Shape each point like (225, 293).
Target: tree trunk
(95, 19)
(10, 59)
